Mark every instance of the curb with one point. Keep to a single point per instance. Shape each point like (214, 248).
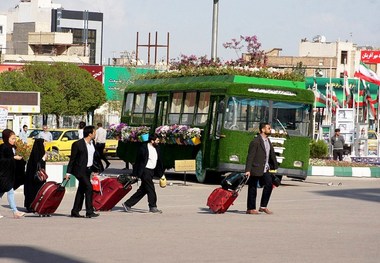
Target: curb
(369, 172)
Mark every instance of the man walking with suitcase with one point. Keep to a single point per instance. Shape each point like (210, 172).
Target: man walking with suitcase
(80, 165)
(260, 159)
(148, 164)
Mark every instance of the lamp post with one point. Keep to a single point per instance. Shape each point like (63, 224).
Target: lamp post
(215, 14)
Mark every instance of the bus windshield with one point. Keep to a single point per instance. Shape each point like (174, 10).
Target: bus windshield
(245, 114)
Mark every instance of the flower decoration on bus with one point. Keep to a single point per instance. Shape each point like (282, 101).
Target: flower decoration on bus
(178, 134)
(127, 133)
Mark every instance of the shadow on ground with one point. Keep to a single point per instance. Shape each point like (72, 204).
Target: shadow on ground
(368, 194)
(33, 255)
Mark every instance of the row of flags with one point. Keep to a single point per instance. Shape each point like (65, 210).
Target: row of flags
(364, 74)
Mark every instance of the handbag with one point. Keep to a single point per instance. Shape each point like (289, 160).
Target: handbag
(232, 181)
(275, 180)
(126, 179)
(41, 174)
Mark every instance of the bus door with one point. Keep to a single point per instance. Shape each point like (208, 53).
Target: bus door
(161, 111)
(212, 132)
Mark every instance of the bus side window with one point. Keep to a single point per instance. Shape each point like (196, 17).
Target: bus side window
(128, 104)
(188, 108)
(203, 108)
(139, 108)
(150, 108)
(175, 108)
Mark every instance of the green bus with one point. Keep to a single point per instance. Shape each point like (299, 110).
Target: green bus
(227, 109)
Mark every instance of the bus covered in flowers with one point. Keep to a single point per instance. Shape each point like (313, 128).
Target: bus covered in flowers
(212, 119)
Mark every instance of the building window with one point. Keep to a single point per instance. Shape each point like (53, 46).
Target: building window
(1, 30)
(343, 57)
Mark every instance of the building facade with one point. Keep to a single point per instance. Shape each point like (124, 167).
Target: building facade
(39, 30)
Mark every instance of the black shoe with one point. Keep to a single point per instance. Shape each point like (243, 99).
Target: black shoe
(107, 165)
(126, 208)
(30, 210)
(155, 210)
(92, 215)
(76, 215)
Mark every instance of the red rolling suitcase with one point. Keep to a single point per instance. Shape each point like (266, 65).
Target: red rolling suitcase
(221, 199)
(112, 191)
(49, 197)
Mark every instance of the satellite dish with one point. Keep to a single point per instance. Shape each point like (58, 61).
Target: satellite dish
(319, 73)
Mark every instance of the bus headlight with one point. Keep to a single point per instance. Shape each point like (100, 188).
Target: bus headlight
(234, 158)
(298, 164)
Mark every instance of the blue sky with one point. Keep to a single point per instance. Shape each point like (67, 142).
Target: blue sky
(276, 23)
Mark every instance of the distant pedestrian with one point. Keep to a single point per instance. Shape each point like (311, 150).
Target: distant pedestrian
(148, 164)
(81, 125)
(260, 159)
(81, 165)
(100, 143)
(337, 142)
(45, 134)
(23, 135)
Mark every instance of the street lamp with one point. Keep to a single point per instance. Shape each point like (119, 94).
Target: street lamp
(215, 14)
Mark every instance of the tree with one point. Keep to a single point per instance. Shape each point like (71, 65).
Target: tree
(252, 57)
(65, 89)
(16, 81)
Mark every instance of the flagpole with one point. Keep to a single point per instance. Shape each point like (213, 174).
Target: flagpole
(344, 84)
(330, 91)
(357, 103)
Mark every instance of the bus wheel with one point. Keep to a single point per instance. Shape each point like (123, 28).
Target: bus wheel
(199, 171)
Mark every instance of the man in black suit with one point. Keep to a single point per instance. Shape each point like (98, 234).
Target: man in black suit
(81, 165)
(261, 158)
(148, 164)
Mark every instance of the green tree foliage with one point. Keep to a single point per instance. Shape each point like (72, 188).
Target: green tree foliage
(318, 149)
(65, 88)
(16, 81)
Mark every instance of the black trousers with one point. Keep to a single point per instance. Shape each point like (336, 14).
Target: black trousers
(146, 188)
(338, 154)
(100, 149)
(266, 182)
(84, 193)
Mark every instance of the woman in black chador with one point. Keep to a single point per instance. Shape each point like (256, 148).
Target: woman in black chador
(32, 184)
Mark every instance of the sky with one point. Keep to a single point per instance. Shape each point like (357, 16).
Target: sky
(276, 23)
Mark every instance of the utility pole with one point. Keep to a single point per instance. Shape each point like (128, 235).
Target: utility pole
(214, 43)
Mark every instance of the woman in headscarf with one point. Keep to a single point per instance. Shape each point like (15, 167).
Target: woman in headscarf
(32, 183)
(8, 169)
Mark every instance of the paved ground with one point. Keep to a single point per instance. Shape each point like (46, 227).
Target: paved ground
(321, 220)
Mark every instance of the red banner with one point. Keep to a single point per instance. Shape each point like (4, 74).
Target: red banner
(370, 56)
(95, 71)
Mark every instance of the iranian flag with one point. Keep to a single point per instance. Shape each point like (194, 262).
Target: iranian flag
(365, 73)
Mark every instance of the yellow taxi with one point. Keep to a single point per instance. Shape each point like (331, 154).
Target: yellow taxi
(1, 136)
(62, 140)
(111, 145)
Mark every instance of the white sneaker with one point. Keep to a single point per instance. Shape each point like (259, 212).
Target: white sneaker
(1, 216)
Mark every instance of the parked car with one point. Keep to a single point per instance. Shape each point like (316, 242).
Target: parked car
(111, 145)
(33, 133)
(62, 141)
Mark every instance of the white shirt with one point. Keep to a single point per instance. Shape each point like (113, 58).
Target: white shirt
(152, 158)
(101, 135)
(23, 135)
(90, 153)
(80, 133)
(47, 136)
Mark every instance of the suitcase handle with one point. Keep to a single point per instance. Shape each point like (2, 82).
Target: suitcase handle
(64, 182)
(241, 185)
